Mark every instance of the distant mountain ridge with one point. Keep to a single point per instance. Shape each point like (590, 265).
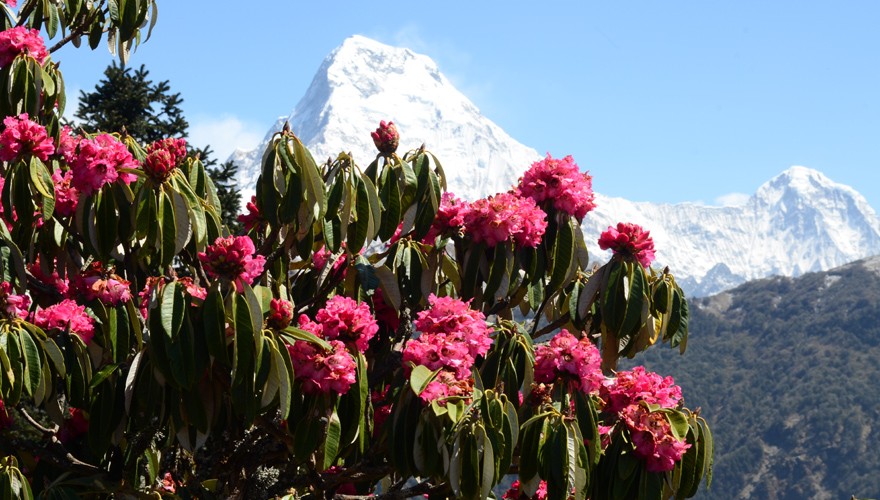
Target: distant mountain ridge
(799, 221)
(786, 371)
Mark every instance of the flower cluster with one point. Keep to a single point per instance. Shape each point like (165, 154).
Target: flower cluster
(280, 314)
(94, 283)
(342, 318)
(503, 217)
(560, 183)
(22, 136)
(631, 387)
(75, 426)
(626, 398)
(252, 219)
(452, 337)
(514, 493)
(98, 162)
(21, 40)
(449, 219)
(566, 357)
(66, 196)
(386, 138)
(163, 157)
(653, 439)
(321, 372)
(49, 281)
(12, 305)
(66, 315)
(67, 144)
(233, 258)
(629, 240)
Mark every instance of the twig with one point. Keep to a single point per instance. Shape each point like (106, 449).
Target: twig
(77, 31)
(36, 424)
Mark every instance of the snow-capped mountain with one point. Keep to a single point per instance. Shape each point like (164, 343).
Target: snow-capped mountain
(797, 222)
(363, 82)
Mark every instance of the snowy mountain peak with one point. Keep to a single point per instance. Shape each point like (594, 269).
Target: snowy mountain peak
(797, 222)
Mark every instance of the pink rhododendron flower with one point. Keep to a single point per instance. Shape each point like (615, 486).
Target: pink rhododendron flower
(280, 314)
(446, 385)
(21, 40)
(233, 258)
(323, 255)
(575, 360)
(66, 196)
(11, 305)
(94, 283)
(98, 162)
(11, 3)
(449, 219)
(514, 493)
(321, 372)
(561, 184)
(629, 240)
(631, 387)
(252, 219)
(454, 318)
(504, 217)
(67, 143)
(386, 138)
(163, 157)
(653, 439)
(452, 336)
(66, 315)
(47, 279)
(167, 483)
(344, 319)
(22, 136)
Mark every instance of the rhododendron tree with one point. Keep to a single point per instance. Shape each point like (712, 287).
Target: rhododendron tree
(366, 333)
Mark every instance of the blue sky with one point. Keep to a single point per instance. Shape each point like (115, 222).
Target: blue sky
(661, 101)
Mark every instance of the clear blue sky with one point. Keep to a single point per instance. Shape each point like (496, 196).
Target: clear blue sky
(661, 101)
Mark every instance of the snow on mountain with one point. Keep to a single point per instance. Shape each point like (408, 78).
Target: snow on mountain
(799, 221)
(363, 82)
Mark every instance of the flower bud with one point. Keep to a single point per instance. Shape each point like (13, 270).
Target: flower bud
(386, 137)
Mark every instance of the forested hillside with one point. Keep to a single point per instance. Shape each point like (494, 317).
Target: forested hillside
(790, 371)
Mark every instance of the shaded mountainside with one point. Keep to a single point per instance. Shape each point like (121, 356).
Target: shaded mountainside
(787, 371)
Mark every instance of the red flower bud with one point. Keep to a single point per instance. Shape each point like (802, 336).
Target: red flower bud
(386, 137)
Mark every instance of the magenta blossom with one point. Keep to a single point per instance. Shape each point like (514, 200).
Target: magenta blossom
(98, 163)
(253, 218)
(567, 357)
(505, 217)
(21, 137)
(11, 305)
(447, 385)
(449, 219)
(66, 315)
(163, 157)
(233, 258)
(344, 319)
(515, 493)
(280, 314)
(66, 196)
(653, 439)
(637, 385)
(322, 372)
(386, 138)
(21, 40)
(559, 183)
(93, 283)
(157, 283)
(629, 240)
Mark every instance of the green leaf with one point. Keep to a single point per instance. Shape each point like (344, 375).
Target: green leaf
(563, 252)
(331, 441)
(32, 362)
(214, 321)
(420, 377)
(172, 303)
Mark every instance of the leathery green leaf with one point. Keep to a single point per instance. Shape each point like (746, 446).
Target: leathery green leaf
(331, 441)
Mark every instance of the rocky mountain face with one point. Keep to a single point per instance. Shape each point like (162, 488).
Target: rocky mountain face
(797, 222)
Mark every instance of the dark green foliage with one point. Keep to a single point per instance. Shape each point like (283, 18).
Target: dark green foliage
(223, 177)
(789, 368)
(129, 99)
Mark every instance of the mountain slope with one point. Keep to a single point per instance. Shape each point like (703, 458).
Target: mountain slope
(797, 222)
(786, 370)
